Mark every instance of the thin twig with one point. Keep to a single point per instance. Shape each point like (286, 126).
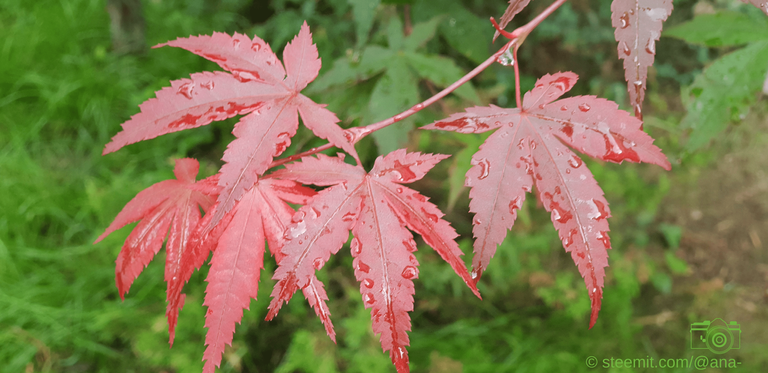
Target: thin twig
(517, 37)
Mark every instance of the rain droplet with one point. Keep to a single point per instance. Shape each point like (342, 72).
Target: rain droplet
(624, 20)
(476, 221)
(315, 212)
(283, 141)
(563, 108)
(514, 205)
(410, 245)
(567, 170)
(318, 263)
(236, 43)
(533, 145)
(399, 190)
(559, 214)
(600, 212)
(603, 236)
(485, 168)
(298, 217)
(369, 299)
(368, 283)
(575, 161)
(295, 230)
(625, 48)
(348, 217)
(650, 47)
(432, 217)
(362, 267)
(410, 272)
(506, 59)
(256, 47)
(355, 247)
(584, 107)
(207, 85)
(562, 84)
(473, 274)
(186, 89)
(521, 144)
(568, 240)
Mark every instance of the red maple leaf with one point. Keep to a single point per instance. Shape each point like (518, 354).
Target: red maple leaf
(238, 246)
(529, 147)
(173, 204)
(638, 28)
(377, 208)
(258, 86)
(515, 6)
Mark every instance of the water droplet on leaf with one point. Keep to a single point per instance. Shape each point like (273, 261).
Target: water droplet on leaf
(624, 20)
(362, 267)
(485, 168)
(186, 89)
(368, 283)
(410, 272)
(355, 247)
(575, 161)
(506, 58)
(369, 299)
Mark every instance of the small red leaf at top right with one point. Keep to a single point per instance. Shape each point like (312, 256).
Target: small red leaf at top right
(760, 4)
(638, 26)
(515, 6)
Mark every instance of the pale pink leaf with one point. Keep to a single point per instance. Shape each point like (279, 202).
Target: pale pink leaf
(401, 167)
(234, 276)
(638, 27)
(385, 268)
(323, 124)
(245, 58)
(515, 6)
(261, 136)
(322, 171)
(530, 146)
(195, 102)
(579, 210)
(301, 60)
(318, 230)
(500, 176)
(474, 120)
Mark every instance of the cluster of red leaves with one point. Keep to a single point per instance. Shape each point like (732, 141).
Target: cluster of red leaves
(244, 207)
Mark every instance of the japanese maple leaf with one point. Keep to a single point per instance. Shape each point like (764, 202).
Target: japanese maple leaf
(529, 147)
(515, 6)
(259, 87)
(638, 27)
(238, 246)
(173, 204)
(377, 208)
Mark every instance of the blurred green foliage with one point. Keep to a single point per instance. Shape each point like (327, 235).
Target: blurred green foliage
(741, 72)
(63, 94)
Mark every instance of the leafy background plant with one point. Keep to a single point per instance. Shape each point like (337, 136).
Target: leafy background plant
(689, 245)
